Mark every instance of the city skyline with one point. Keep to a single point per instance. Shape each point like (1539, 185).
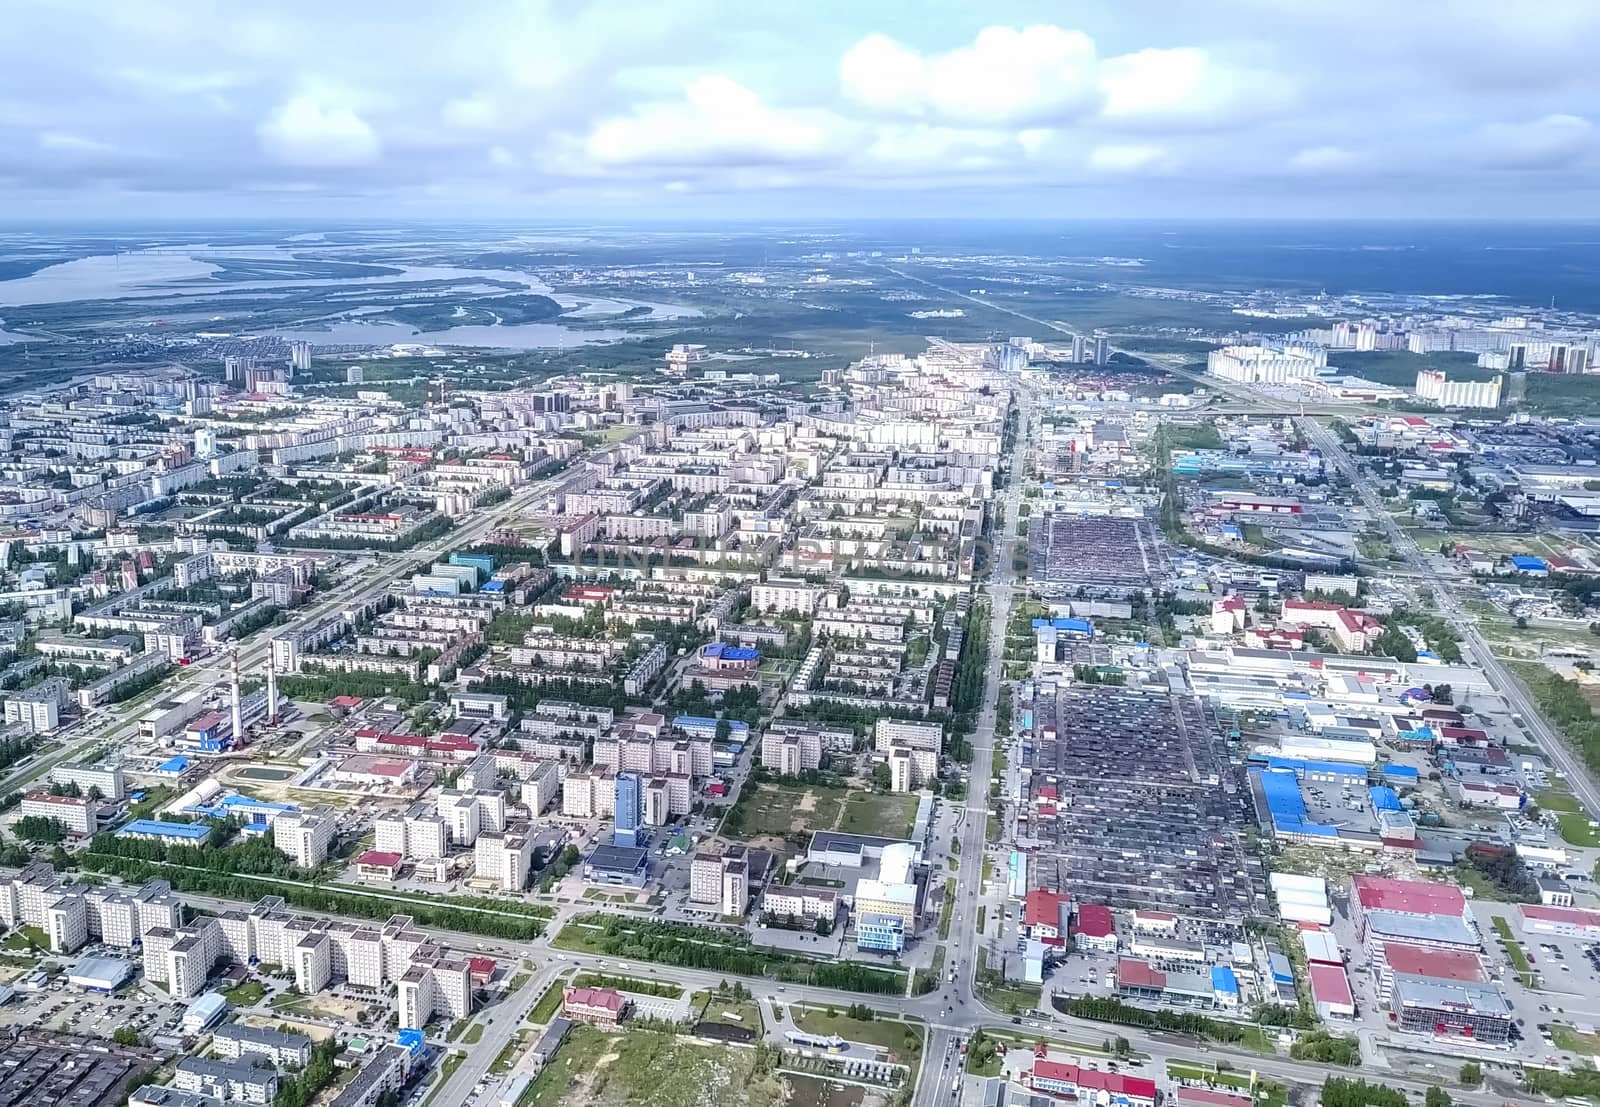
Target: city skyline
(625, 112)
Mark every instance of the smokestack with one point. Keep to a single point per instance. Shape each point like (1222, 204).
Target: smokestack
(272, 692)
(238, 717)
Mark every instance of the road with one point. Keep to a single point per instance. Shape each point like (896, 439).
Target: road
(961, 954)
(1477, 651)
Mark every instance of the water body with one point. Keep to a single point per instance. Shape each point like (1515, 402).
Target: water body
(516, 336)
(185, 271)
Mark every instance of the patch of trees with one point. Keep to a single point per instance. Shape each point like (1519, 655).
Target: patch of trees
(40, 828)
(226, 885)
(702, 948)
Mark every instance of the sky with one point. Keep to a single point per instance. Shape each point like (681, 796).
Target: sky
(1349, 109)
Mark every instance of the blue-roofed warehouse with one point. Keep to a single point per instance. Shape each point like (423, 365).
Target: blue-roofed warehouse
(703, 726)
(1383, 798)
(1281, 789)
(1080, 628)
(189, 833)
(1527, 563)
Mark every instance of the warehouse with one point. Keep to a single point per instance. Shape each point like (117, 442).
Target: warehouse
(100, 974)
(162, 831)
(1330, 992)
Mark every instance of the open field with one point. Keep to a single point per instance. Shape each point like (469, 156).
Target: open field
(779, 810)
(888, 815)
(596, 1068)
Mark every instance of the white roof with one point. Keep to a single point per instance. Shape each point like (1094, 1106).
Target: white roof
(891, 893)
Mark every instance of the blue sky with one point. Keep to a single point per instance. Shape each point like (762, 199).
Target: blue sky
(1231, 108)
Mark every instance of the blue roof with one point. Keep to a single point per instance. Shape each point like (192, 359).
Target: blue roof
(1526, 561)
(1223, 980)
(1081, 626)
(702, 722)
(1404, 772)
(1281, 969)
(493, 586)
(730, 653)
(1281, 789)
(1339, 768)
(176, 765)
(1383, 798)
(410, 1039)
(194, 831)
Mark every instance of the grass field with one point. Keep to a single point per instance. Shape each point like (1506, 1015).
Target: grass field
(601, 1069)
(474, 1034)
(246, 994)
(890, 816)
(1573, 1040)
(636, 984)
(548, 1004)
(902, 1039)
(777, 810)
(713, 1008)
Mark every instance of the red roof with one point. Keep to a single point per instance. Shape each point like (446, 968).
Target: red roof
(381, 858)
(1042, 907)
(1139, 974)
(1048, 792)
(1136, 1087)
(1411, 897)
(1440, 964)
(1573, 916)
(480, 966)
(1329, 984)
(346, 701)
(608, 998)
(1211, 1097)
(1095, 921)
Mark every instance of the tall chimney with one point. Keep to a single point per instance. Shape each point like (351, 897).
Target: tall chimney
(238, 717)
(272, 692)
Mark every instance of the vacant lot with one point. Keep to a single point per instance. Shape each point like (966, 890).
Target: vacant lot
(779, 810)
(604, 1069)
(888, 815)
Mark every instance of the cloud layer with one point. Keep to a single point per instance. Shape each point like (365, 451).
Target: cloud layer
(126, 107)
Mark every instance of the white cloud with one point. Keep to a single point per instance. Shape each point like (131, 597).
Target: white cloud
(718, 122)
(1186, 86)
(1324, 158)
(1006, 76)
(65, 142)
(304, 132)
(1125, 158)
(501, 158)
(1551, 142)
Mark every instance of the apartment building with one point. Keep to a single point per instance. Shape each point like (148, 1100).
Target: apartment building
(306, 835)
(800, 902)
(107, 778)
(418, 833)
(889, 733)
(786, 595)
(721, 879)
(505, 856)
(76, 813)
(246, 1080)
(467, 813)
(590, 795)
(236, 1041)
(789, 750)
(541, 787)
